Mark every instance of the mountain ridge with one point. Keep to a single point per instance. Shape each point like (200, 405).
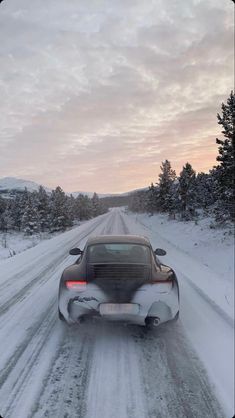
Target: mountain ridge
(8, 184)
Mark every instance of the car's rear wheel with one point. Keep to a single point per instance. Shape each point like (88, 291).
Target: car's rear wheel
(61, 316)
(176, 316)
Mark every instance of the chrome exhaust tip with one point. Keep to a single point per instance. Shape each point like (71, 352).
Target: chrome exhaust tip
(156, 322)
(152, 322)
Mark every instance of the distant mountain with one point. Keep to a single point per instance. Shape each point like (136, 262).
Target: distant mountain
(8, 184)
(143, 189)
(101, 195)
(89, 194)
(13, 183)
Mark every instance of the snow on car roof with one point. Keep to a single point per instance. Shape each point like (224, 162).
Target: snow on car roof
(102, 239)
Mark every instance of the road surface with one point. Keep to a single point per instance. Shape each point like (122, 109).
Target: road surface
(99, 370)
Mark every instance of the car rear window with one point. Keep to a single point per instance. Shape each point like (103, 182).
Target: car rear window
(118, 253)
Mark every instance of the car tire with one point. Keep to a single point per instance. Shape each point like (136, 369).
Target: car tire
(61, 317)
(176, 316)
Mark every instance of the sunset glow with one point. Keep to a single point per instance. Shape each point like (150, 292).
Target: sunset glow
(95, 95)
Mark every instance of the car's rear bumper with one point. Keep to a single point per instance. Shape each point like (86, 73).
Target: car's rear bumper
(152, 300)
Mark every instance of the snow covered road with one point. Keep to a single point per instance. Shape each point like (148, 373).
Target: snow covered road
(103, 370)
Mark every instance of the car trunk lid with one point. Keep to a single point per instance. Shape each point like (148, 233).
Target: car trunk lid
(119, 281)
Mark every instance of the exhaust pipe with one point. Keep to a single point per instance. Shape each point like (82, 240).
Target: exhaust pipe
(156, 322)
(152, 322)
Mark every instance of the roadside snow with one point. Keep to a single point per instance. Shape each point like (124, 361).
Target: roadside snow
(205, 273)
(13, 243)
(210, 254)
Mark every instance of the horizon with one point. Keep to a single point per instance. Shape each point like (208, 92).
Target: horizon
(58, 185)
(103, 93)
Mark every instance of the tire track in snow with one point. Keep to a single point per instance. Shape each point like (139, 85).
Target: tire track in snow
(174, 380)
(152, 375)
(103, 370)
(21, 364)
(115, 389)
(72, 364)
(33, 333)
(40, 327)
(41, 278)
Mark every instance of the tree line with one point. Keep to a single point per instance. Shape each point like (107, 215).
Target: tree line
(188, 194)
(39, 211)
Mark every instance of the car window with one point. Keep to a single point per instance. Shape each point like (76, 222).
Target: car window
(118, 252)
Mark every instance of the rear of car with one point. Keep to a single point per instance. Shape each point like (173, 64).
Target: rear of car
(118, 282)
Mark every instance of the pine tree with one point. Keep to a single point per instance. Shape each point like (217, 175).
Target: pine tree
(226, 168)
(2, 210)
(137, 202)
(42, 199)
(83, 207)
(205, 190)
(18, 208)
(187, 191)
(152, 199)
(71, 209)
(95, 201)
(166, 181)
(30, 221)
(59, 219)
(7, 220)
(98, 207)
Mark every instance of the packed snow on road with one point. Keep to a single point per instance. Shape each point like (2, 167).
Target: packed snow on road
(104, 370)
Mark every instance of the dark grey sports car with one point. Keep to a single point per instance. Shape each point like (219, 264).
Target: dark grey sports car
(119, 278)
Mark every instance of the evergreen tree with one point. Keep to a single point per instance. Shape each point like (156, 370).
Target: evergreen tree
(30, 221)
(83, 207)
(71, 208)
(95, 201)
(7, 220)
(137, 201)
(42, 200)
(152, 199)
(59, 219)
(226, 168)
(205, 190)
(166, 181)
(18, 208)
(98, 207)
(187, 191)
(2, 210)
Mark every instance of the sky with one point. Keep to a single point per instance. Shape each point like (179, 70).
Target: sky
(95, 94)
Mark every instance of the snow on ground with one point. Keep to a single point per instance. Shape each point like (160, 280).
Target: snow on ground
(206, 290)
(212, 248)
(50, 370)
(12, 243)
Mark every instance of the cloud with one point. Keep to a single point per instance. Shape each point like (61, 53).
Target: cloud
(95, 95)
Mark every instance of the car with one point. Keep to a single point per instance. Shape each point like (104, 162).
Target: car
(119, 278)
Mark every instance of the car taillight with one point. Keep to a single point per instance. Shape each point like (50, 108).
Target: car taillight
(77, 285)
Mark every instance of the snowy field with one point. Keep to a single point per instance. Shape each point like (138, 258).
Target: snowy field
(13, 243)
(104, 371)
(208, 248)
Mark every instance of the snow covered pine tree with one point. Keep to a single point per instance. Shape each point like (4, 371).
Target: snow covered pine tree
(166, 190)
(187, 192)
(226, 169)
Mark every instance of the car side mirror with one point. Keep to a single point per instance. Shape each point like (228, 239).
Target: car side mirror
(75, 251)
(159, 251)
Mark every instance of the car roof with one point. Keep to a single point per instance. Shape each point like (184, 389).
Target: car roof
(130, 239)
